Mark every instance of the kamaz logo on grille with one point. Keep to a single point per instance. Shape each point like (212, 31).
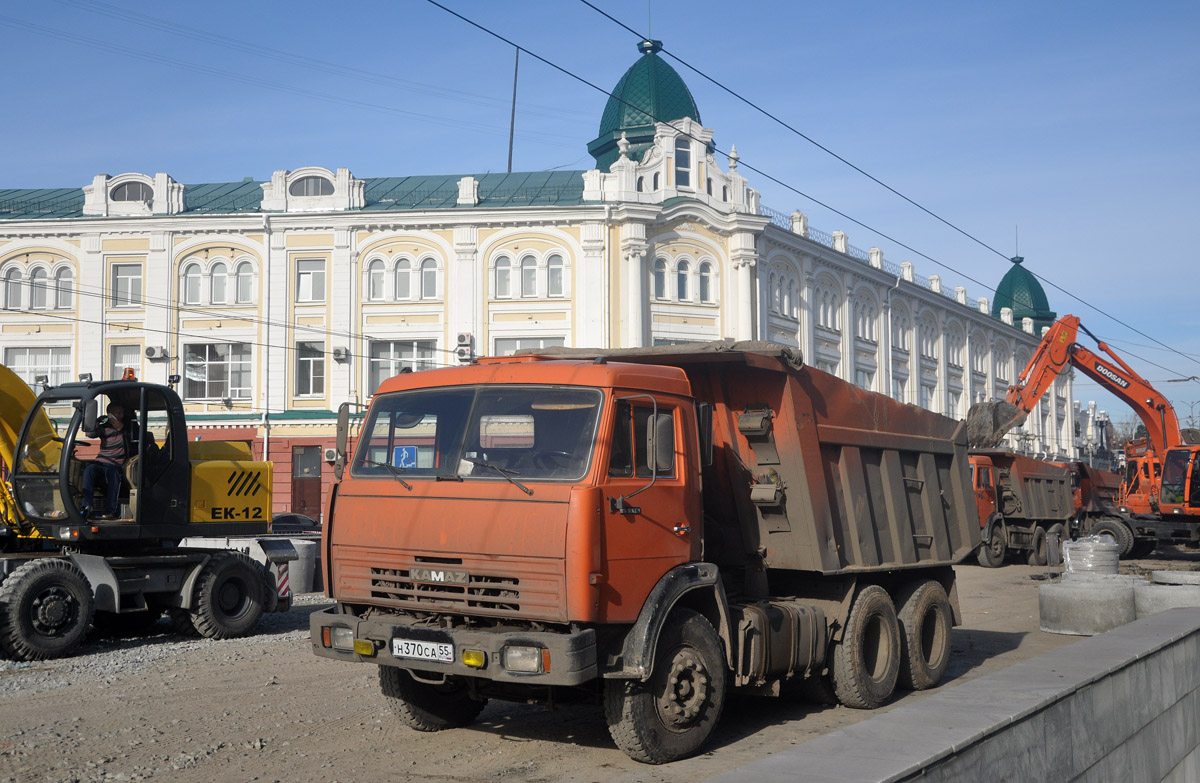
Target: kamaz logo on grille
(1112, 376)
(440, 576)
(244, 482)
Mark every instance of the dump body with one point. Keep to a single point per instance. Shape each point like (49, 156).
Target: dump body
(540, 528)
(865, 483)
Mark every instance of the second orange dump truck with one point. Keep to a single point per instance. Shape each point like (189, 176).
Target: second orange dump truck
(646, 529)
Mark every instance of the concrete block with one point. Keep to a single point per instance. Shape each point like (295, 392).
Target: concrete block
(1175, 577)
(1151, 599)
(1085, 609)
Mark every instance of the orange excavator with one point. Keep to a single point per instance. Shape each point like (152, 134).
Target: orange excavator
(1162, 478)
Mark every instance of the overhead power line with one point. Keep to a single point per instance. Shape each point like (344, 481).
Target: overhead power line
(884, 185)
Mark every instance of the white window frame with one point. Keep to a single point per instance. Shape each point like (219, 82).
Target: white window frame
(238, 365)
(556, 276)
(310, 368)
(683, 164)
(131, 294)
(38, 290)
(28, 362)
(507, 346)
(64, 288)
(221, 278)
(402, 286)
(248, 298)
(310, 280)
(117, 363)
(529, 275)
(386, 358)
(376, 280)
(428, 271)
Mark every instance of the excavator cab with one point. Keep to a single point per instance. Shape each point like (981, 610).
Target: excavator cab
(1180, 489)
(53, 452)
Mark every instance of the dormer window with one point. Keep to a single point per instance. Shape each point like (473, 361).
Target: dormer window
(683, 163)
(133, 191)
(311, 186)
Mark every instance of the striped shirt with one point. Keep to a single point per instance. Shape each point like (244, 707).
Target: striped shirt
(112, 446)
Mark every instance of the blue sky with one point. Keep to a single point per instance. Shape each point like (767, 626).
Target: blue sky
(1074, 123)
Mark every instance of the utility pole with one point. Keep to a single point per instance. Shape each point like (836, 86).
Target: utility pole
(512, 119)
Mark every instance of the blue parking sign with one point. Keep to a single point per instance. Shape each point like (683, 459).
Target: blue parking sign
(404, 456)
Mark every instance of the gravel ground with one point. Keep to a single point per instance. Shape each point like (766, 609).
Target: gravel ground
(162, 708)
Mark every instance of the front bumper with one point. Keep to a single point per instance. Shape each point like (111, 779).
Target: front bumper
(572, 656)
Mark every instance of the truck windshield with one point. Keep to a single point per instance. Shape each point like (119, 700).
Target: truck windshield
(1174, 475)
(489, 433)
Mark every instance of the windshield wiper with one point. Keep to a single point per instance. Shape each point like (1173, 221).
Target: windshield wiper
(508, 474)
(395, 472)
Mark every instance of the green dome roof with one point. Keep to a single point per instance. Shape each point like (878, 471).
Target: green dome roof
(649, 92)
(1022, 292)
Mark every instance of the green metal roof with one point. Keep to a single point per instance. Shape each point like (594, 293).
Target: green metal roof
(1022, 292)
(518, 189)
(649, 92)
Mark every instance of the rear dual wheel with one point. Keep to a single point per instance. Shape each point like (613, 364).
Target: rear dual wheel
(925, 624)
(866, 663)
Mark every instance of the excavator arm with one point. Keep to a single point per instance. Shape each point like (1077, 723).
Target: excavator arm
(988, 423)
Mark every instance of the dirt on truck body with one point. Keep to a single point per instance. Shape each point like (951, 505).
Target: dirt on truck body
(647, 530)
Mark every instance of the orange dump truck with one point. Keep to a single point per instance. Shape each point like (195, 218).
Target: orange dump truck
(647, 530)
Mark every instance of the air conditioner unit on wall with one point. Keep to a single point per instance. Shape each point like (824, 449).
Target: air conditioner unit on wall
(341, 354)
(156, 352)
(465, 349)
(331, 455)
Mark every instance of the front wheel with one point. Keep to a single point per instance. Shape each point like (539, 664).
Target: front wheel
(427, 707)
(991, 554)
(46, 608)
(1120, 533)
(672, 714)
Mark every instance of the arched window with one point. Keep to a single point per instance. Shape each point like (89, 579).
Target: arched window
(132, 191)
(37, 289)
(311, 186)
(708, 186)
(660, 279)
(503, 278)
(403, 279)
(12, 289)
(682, 274)
(793, 308)
(64, 282)
(724, 192)
(773, 288)
(528, 276)
(429, 279)
(654, 183)
(641, 181)
(375, 280)
(245, 282)
(219, 283)
(191, 284)
(706, 282)
(683, 163)
(554, 276)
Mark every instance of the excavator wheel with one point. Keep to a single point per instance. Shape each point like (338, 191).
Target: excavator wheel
(230, 596)
(46, 609)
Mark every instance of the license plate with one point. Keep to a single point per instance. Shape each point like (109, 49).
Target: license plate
(423, 651)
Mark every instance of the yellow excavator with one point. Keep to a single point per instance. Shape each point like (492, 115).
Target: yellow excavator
(189, 537)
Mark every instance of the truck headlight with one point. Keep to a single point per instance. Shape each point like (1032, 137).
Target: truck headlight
(342, 638)
(528, 660)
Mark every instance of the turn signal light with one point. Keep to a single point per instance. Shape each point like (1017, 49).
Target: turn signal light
(364, 646)
(476, 659)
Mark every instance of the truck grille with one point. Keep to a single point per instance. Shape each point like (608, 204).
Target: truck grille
(496, 587)
(493, 593)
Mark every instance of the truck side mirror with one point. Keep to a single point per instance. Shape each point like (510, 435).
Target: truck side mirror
(343, 439)
(90, 414)
(660, 443)
(704, 423)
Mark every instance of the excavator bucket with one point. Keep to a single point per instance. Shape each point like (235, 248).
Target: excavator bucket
(989, 422)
